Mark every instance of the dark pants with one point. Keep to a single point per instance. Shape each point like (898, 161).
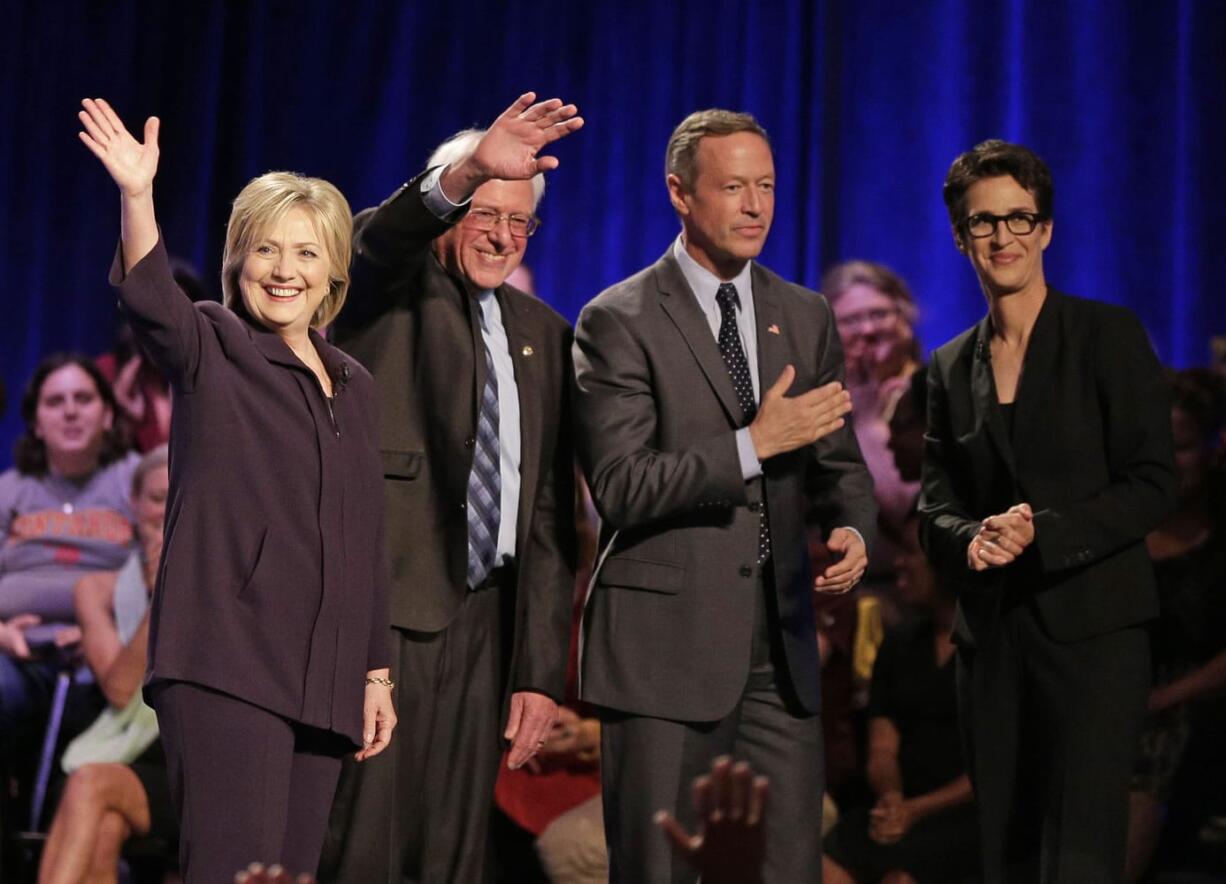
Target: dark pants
(648, 764)
(420, 811)
(248, 786)
(1051, 731)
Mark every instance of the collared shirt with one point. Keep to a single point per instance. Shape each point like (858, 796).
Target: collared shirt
(495, 335)
(705, 284)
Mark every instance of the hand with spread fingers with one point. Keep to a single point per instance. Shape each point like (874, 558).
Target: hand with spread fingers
(731, 802)
(509, 148)
(784, 423)
(851, 561)
(1001, 538)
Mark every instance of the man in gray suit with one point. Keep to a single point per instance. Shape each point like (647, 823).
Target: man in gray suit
(710, 415)
(471, 376)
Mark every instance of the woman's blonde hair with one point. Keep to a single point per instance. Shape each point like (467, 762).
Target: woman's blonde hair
(265, 201)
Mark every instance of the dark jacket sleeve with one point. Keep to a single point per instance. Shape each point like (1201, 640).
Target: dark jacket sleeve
(390, 242)
(1140, 454)
(551, 547)
(169, 328)
(945, 528)
(632, 483)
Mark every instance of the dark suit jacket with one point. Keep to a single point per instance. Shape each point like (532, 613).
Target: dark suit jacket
(669, 624)
(413, 325)
(1091, 453)
(273, 585)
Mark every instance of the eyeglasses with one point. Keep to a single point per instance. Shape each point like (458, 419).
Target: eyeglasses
(488, 219)
(874, 317)
(983, 224)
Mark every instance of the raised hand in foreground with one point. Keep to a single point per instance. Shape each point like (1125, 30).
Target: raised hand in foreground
(731, 802)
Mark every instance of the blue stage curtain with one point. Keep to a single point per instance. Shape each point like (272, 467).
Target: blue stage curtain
(866, 102)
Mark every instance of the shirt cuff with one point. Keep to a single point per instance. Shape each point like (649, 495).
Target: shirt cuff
(857, 533)
(439, 204)
(751, 467)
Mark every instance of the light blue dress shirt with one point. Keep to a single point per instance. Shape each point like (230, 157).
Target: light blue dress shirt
(705, 284)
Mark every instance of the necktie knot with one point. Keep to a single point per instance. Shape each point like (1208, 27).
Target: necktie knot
(727, 298)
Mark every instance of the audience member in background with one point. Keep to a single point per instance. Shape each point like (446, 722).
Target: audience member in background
(921, 825)
(875, 314)
(64, 511)
(141, 391)
(110, 797)
(1189, 638)
(730, 804)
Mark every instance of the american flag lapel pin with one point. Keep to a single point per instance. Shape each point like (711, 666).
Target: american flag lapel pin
(773, 329)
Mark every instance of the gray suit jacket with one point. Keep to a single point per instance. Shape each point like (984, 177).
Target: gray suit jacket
(669, 623)
(412, 325)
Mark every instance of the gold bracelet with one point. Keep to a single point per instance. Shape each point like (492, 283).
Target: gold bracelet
(379, 679)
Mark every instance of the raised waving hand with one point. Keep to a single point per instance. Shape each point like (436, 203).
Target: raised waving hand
(132, 165)
(510, 146)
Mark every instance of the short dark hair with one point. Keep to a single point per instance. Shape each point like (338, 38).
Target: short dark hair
(30, 452)
(992, 159)
(682, 147)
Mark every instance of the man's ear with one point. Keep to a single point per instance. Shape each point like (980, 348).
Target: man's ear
(677, 194)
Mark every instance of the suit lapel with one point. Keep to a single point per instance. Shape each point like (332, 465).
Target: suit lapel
(1038, 365)
(679, 302)
(983, 389)
(526, 356)
(768, 318)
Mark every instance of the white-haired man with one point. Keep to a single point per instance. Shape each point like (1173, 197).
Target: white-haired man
(475, 438)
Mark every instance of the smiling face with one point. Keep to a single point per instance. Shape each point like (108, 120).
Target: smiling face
(284, 275)
(485, 258)
(1005, 262)
(728, 211)
(71, 420)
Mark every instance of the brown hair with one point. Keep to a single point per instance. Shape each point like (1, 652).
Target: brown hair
(992, 159)
(839, 278)
(265, 201)
(679, 157)
(30, 452)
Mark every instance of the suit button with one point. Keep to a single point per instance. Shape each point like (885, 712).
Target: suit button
(469, 442)
(746, 571)
(755, 506)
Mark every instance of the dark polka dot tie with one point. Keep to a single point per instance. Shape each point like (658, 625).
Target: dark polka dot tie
(742, 382)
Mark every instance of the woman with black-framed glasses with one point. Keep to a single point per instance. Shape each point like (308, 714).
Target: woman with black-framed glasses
(1048, 458)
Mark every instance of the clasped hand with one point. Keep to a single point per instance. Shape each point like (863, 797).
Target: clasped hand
(890, 819)
(1001, 538)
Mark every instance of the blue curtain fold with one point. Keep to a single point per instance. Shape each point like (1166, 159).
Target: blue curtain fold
(866, 103)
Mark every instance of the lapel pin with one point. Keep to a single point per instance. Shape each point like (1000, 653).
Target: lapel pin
(773, 329)
(527, 351)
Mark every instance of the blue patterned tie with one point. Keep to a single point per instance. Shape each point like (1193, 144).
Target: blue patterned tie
(485, 480)
(742, 382)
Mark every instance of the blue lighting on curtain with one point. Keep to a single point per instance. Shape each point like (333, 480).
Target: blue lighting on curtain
(867, 103)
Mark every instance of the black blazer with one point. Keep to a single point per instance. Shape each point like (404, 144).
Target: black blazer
(413, 325)
(1091, 453)
(668, 627)
(272, 586)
